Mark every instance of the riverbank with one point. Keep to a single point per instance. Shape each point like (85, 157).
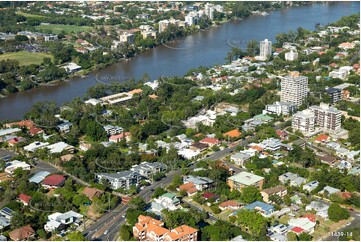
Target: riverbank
(207, 48)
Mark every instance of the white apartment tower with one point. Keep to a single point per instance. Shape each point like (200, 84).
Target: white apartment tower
(265, 48)
(304, 121)
(328, 118)
(294, 89)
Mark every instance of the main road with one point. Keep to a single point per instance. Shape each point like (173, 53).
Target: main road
(111, 221)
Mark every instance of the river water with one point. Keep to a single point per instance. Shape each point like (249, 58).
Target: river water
(204, 48)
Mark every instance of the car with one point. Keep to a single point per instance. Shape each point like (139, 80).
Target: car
(152, 189)
(123, 216)
(348, 224)
(106, 231)
(351, 209)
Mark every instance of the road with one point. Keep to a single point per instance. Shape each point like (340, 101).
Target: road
(112, 220)
(354, 223)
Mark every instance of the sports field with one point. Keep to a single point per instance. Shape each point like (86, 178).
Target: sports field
(58, 28)
(25, 58)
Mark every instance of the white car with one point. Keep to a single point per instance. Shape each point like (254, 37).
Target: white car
(106, 231)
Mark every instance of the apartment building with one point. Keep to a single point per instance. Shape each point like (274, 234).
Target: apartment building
(280, 191)
(294, 89)
(150, 229)
(265, 48)
(122, 179)
(280, 108)
(148, 169)
(335, 94)
(245, 179)
(291, 56)
(304, 121)
(326, 117)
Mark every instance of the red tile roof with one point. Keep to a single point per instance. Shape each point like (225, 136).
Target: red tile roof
(54, 180)
(322, 137)
(208, 195)
(22, 233)
(297, 230)
(209, 141)
(229, 203)
(24, 198)
(310, 217)
(35, 130)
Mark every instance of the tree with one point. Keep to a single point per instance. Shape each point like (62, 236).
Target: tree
(138, 203)
(220, 231)
(304, 237)
(337, 213)
(159, 192)
(291, 236)
(253, 221)
(76, 236)
(250, 194)
(126, 232)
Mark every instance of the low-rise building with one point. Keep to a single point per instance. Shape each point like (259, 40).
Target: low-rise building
(123, 179)
(53, 181)
(201, 183)
(150, 229)
(263, 208)
(148, 169)
(58, 221)
(244, 179)
(239, 158)
(280, 191)
(22, 233)
(280, 108)
(310, 186)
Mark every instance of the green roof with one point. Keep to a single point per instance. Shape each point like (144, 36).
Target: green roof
(262, 117)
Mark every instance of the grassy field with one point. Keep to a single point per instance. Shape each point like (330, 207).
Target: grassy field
(29, 15)
(58, 28)
(25, 58)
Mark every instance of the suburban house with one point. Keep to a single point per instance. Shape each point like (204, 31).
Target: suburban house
(53, 181)
(118, 137)
(167, 201)
(39, 177)
(92, 192)
(263, 208)
(232, 134)
(320, 208)
(230, 204)
(58, 221)
(280, 191)
(25, 199)
(15, 164)
(305, 224)
(150, 229)
(198, 147)
(310, 186)
(201, 183)
(209, 141)
(22, 233)
(327, 190)
(244, 179)
(189, 187)
(123, 179)
(239, 158)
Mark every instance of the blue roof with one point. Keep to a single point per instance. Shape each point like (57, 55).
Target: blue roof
(39, 177)
(267, 208)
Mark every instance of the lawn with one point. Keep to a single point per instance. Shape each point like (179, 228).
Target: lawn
(29, 15)
(58, 28)
(25, 58)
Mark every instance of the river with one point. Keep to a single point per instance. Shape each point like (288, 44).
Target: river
(204, 48)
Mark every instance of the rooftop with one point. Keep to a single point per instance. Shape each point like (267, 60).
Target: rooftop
(246, 178)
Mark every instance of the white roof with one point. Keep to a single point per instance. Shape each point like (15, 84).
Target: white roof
(8, 131)
(58, 147)
(35, 145)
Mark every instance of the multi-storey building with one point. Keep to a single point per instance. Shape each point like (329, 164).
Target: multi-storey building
(244, 179)
(280, 108)
(291, 56)
(265, 48)
(123, 179)
(335, 94)
(326, 117)
(150, 229)
(294, 89)
(304, 121)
